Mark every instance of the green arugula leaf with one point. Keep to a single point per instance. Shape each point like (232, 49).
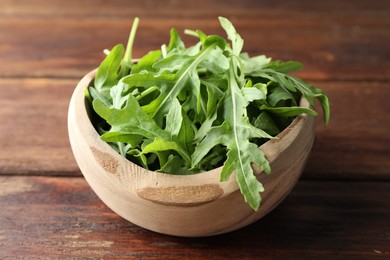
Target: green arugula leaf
(325, 103)
(107, 73)
(185, 76)
(253, 93)
(254, 64)
(284, 67)
(264, 121)
(233, 36)
(145, 64)
(160, 144)
(289, 111)
(214, 94)
(280, 93)
(175, 41)
(173, 63)
(140, 156)
(174, 118)
(131, 120)
(186, 134)
(216, 62)
(118, 95)
(235, 134)
(294, 84)
(101, 95)
(174, 165)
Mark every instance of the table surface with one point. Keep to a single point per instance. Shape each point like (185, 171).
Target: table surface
(340, 208)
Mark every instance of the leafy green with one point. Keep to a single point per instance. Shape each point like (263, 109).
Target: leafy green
(235, 134)
(185, 110)
(107, 73)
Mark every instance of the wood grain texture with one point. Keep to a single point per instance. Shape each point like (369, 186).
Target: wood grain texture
(66, 39)
(47, 46)
(356, 143)
(48, 218)
(33, 137)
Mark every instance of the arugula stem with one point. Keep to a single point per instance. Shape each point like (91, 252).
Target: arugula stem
(121, 147)
(202, 70)
(146, 92)
(128, 58)
(164, 50)
(191, 32)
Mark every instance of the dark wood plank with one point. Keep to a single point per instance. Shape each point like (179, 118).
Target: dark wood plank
(356, 143)
(60, 39)
(354, 146)
(200, 9)
(34, 136)
(45, 217)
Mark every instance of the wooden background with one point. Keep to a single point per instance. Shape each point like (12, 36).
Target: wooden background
(339, 209)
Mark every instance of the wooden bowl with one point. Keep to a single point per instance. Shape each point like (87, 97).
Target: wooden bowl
(191, 205)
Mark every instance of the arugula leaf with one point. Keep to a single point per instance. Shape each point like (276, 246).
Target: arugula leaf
(186, 75)
(253, 64)
(264, 121)
(161, 144)
(131, 120)
(284, 67)
(174, 118)
(280, 93)
(289, 111)
(118, 95)
(175, 41)
(325, 103)
(233, 36)
(174, 165)
(107, 73)
(216, 62)
(294, 84)
(235, 134)
(146, 62)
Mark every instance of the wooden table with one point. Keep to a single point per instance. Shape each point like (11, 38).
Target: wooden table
(340, 209)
